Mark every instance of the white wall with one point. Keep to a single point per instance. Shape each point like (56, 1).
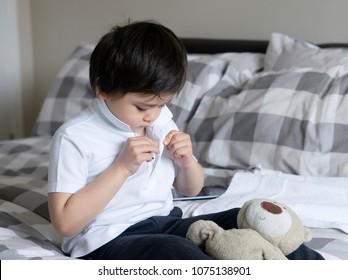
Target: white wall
(58, 26)
(26, 60)
(10, 72)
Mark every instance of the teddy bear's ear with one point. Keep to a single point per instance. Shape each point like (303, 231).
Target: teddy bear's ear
(241, 219)
(307, 234)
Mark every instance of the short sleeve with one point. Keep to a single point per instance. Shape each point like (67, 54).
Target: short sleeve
(68, 170)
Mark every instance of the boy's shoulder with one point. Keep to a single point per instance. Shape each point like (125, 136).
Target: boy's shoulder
(76, 123)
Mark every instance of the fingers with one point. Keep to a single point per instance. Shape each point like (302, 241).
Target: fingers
(135, 152)
(178, 144)
(142, 148)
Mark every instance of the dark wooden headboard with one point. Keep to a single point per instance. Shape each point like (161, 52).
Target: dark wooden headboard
(219, 46)
(211, 46)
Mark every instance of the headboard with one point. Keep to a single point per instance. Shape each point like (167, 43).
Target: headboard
(211, 46)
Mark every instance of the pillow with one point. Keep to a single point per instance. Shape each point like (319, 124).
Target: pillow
(204, 72)
(69, 94)
(285, 52)
(292, 121)
(210, 75)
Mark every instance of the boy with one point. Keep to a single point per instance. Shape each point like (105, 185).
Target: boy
(112, 167)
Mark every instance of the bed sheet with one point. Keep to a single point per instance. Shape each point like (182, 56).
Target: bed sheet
(23, 173)
(25, 230)
(26, 236)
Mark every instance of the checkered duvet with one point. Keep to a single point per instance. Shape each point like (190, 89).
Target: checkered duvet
(25, 230)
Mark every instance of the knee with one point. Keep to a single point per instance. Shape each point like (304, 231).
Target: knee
(179, 248)
(172, 242)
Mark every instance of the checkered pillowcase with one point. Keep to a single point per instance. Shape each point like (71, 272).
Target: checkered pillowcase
(69, 94)
(289, 117)
(293, 121)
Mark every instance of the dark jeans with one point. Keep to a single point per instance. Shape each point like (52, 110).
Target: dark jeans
(164, 238)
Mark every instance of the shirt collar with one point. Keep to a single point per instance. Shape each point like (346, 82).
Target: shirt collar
(100, 105)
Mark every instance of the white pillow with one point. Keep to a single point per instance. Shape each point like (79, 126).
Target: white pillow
(285, 52)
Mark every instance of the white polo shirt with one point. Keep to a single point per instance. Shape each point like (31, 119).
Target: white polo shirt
(84, 147)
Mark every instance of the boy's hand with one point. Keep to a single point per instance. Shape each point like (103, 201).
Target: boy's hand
(135, 152)
(179, 146)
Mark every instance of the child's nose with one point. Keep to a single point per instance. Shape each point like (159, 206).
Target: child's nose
(150, 116)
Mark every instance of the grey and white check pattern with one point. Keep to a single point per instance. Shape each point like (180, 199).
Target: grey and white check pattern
(292, 121)
(23, 173)
(25, 228)
(69, 94)
(25, 235)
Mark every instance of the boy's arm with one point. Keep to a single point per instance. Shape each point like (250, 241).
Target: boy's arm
(190, 178)
(70, 212)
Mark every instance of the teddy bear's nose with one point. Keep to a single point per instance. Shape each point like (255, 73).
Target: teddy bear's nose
(271, 207)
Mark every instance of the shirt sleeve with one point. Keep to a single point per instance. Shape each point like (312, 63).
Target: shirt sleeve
(67, 170)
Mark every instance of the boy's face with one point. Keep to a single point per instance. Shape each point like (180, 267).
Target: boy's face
(138, 110)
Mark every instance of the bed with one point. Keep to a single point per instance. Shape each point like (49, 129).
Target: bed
(267, 119)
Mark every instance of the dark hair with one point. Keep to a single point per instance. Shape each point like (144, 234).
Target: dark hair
(138, 57)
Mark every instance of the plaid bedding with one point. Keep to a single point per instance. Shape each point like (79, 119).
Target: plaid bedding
(292, 121)
(23, 173)
(69, 94)
(25, 230)
(25, 235)
(332, 242)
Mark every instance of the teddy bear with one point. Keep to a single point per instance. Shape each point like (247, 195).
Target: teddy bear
(267, 230)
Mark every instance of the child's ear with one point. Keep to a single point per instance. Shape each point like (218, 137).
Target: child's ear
(101, 93)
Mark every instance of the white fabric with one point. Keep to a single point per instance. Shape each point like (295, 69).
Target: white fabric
(84, 147)
(285, 52)
(320, 202)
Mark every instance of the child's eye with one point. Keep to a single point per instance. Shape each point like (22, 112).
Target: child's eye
(140, 109)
